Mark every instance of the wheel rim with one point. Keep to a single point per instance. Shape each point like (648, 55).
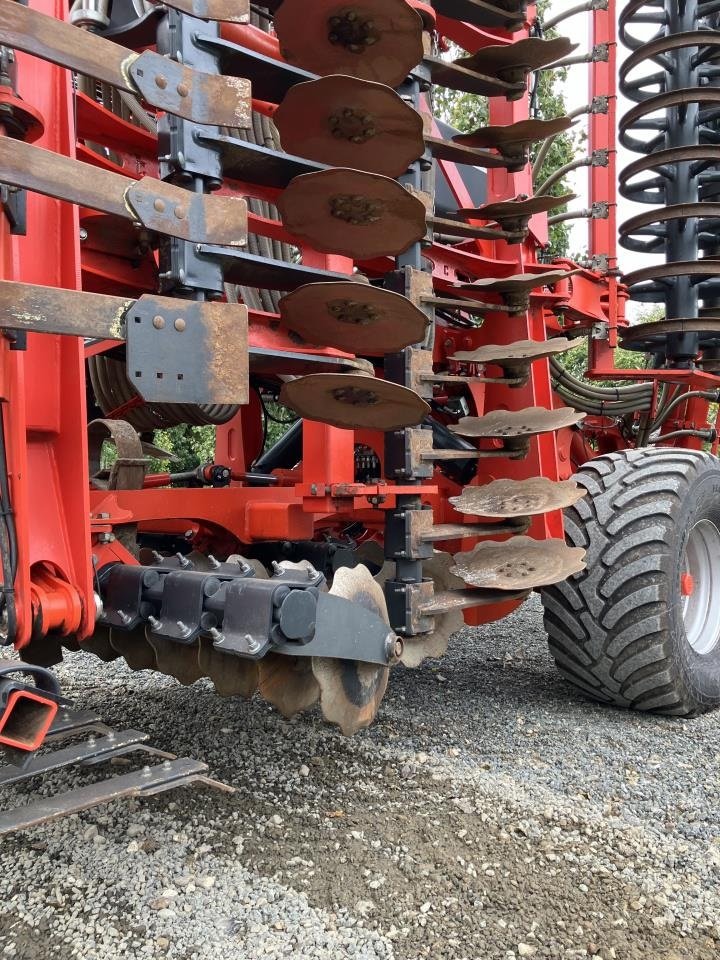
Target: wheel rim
(701, 607)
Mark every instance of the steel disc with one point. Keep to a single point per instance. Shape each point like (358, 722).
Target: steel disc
(133, 646)
(349, 212)
(351, 691)
(346, 122)
(513, 211)
(99, 644)
(379, 40)
(178, 660)
(523, 133)
(354, 317)
(517, 423)
(354, 401)
(519, 564)
(231, 676)
(512, 62)
(434, 645)
(288, 683)
(518, 498)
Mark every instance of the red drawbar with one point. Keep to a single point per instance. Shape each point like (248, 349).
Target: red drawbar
(26, 720)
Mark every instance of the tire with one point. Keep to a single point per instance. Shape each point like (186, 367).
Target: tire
(633, 629)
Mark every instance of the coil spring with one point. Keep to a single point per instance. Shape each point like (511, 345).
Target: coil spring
(672, 78)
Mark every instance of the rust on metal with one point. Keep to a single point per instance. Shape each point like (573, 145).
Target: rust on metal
(517, 288)
(351, 691)
(513, 62)
(455, 76)
(357, 318)
(157, 205)
(288, 683)
(458, 153)
(521, 563)
(360, 215)
(515, 215)
(514, 140)
(518, 498)
(443, 625)
(380, 40)
(347, 122)
(27, 306)
(530, 422)
(354, 401)
(200, 97)
(161, 82)
(130, 465)
(515, 358)
(177, 660)
(509, 14)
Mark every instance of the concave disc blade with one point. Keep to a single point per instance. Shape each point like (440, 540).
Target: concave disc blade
(349, 212)
(435, 644)
(354, 317)
(351, 691)
(288, 683)
(346, 122)
(231, 676)
(354, 401)
(520, 563)
(518, 498)
(517, 423)
(379, 40)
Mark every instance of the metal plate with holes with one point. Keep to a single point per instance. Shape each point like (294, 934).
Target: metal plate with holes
(518, 498)
(354, 401)
(184, 351)
(346, 122)
(513, 62)
(379, 40)
(355, 317)
(356, 214)
(201, 97)
(157, 205)
(517, 423)
(521, 563)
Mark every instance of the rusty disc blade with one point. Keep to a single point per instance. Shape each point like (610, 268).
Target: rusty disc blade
(178, 660)
(231, 676)
(354, 401)
(518, 498)
(519, 564)
(349, 212)
(521, 134)
(354, 317)
(512, 62)
(434, 645)
(99, 644)
(288, 683)
(133, 646)
(518, 283)
(515, 356)
(380, 40)
(515, 210)
(346, 122)
(529, 422)
(351, 691)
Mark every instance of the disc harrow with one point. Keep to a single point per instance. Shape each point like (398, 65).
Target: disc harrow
(273, 226)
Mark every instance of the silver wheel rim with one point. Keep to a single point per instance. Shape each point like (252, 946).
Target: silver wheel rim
(701, 607)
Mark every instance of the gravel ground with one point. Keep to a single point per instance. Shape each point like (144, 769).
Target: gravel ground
(489, 813)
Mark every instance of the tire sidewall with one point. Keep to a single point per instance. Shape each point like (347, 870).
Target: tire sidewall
(701, 673)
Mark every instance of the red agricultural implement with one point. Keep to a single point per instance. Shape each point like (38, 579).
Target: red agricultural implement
(210, 208)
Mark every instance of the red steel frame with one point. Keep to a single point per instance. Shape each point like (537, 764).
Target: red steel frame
(60, 518)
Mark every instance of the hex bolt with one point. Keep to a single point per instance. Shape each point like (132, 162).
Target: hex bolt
(183, 561)
(158, 557)
(277, 569)
(215, 635)
(213, 562)
(154, 623)
(183, 627)
(311, 573)
(126, 618)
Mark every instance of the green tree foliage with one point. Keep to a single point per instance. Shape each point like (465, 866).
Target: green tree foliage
(191, 446)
